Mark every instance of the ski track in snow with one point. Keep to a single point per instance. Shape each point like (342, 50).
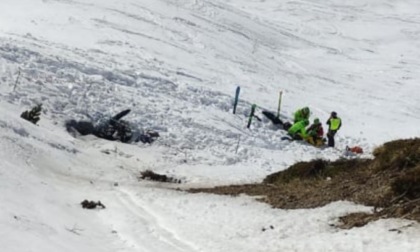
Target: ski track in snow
(159, 238)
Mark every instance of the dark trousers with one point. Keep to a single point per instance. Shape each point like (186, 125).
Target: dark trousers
(330, 136)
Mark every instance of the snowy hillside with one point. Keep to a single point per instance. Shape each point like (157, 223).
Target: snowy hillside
(176, 65)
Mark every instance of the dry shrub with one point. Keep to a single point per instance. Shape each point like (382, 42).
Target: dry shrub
(315, 169)
(355, 220)
(398, 155)
(408, 184)
(150, 175)
(390, 182)
(301, 170)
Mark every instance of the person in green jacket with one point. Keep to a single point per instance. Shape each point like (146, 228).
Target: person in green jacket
(301, 114)
(298, 130)
(334, 124)
(315, 133)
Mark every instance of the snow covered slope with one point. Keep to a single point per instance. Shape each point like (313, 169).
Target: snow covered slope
(176, 64)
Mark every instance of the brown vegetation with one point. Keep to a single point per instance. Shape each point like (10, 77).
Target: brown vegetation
(150, 175)
(390, 182)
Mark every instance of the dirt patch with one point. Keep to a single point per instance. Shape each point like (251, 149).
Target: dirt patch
(150, 175)
(390, 183)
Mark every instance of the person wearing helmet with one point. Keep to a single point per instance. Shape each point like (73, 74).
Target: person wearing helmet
(298, 130)
(334, 124)
(301, 114)
(315, 133)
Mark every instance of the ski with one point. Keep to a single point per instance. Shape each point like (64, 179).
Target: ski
(235, 103)
(279, 106)
(251, 115)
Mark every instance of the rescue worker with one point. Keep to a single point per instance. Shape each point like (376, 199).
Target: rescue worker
(301, 114)
(298, 130)
(315, 133)
(334, 124)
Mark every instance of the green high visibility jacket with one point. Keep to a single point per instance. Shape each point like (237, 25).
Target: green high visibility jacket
(335, 123)
(299, 116)
(298, 128)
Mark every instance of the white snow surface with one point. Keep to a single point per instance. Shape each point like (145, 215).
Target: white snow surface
(176, 65)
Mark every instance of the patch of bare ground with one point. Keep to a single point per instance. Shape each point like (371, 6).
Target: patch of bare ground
(151, 175)
(390, 183)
